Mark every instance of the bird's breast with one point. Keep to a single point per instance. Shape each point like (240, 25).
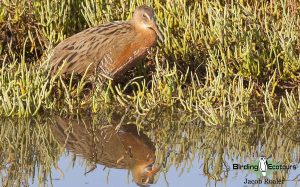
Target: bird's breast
(134, 50)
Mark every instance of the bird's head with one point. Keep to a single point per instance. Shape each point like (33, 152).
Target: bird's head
(143, 16)
(263, 158)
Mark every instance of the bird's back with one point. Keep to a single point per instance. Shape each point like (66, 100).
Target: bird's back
(94, 49)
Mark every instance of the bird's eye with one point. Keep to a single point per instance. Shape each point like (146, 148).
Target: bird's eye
(144, 16)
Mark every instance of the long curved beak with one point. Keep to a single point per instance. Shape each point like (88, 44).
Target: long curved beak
(156, 29)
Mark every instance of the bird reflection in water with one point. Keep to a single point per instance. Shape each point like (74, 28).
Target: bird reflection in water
(125, 148)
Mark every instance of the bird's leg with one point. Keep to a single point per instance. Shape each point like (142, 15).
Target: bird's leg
(91, 89)
(94, 81)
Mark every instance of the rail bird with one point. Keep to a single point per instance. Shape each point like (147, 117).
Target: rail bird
(110, 49)
(100, 143)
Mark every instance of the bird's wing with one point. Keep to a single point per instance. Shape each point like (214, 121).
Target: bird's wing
(70, 51)
(92, 48)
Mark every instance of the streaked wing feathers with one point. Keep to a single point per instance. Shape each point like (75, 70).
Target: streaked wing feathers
(92, 48)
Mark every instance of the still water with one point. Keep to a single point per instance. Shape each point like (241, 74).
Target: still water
(112, 149)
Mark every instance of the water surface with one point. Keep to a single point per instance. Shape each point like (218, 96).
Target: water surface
(112, 149)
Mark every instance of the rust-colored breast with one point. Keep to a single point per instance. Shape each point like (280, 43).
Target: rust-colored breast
(132, 53)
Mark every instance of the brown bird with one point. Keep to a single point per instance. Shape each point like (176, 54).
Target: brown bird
(100, 143)
(110, 49)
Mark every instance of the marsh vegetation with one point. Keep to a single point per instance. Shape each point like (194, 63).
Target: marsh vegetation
(227, 62)
(224, 84)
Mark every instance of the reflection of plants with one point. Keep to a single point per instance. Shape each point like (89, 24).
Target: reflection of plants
(214, 146)
(214, 164)
(28, 150)
(28, 145)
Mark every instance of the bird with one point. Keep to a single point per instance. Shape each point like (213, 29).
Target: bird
(100, 142)
(110, 49)
(263, 165)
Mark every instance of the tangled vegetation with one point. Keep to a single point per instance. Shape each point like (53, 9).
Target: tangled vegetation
(227, 62)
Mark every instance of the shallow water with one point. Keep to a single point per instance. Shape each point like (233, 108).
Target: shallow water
(165, 150)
